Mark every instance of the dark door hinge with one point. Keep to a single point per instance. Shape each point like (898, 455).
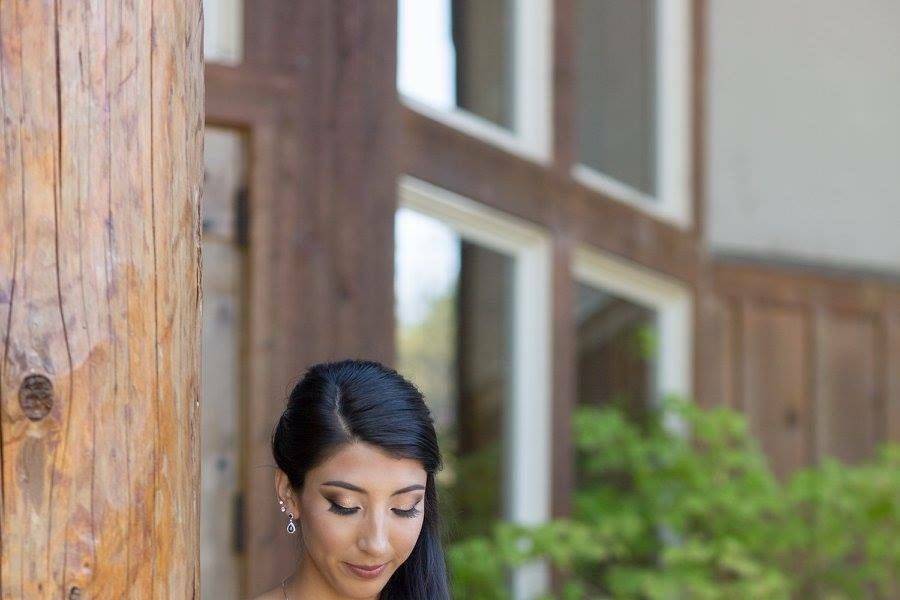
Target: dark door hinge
(242, 217)
(237, 531)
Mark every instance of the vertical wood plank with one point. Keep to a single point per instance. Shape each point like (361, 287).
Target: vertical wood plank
(742, 326)
(818, 339)
(176, 172)
(100, 176)
(849, 394)
(776, 377)
(892, 374)
(564, 376)
(732, 333)
(564, 388)
(33, 330)
(717, 326)
(564, 73)
(699, 82)
(359, 191)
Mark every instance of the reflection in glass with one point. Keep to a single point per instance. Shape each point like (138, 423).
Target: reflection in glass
(616, 90)
(616, 367)
(453, 341)
(458, 53)
(616, 351)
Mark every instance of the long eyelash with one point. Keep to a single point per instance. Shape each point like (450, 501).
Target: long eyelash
(409, 514)
(341, 510)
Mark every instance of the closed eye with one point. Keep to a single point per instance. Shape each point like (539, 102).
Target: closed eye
(341, 510)
(408, 513)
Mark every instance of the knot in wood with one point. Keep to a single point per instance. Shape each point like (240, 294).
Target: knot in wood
(75, 593)
(36, 396)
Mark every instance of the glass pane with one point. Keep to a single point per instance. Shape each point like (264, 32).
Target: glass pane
(223, 31)
(223, 280)
(458, 53)
(615, 368)
(616, 351)
(454, 315)
(616, 89)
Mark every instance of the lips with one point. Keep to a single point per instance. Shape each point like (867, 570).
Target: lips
(366, 571)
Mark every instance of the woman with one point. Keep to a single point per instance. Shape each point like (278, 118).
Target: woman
(357, 454)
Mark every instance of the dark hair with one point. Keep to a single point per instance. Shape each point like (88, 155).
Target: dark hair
(359, 400)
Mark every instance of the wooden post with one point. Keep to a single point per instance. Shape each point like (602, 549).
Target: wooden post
(100, 174)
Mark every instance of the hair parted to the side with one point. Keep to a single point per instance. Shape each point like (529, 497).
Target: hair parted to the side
(336, 403)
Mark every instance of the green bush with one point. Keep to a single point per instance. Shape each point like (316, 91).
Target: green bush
(662, 515)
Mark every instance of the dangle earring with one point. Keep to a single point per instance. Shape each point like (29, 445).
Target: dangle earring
(291, 528)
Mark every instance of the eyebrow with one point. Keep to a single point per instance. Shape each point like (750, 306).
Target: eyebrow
(353, 488)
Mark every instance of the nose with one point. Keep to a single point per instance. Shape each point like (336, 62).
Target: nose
(373, 537)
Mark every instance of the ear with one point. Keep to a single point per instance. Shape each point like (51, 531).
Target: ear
(284, 492)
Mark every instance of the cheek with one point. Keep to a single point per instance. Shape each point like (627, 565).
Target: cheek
(327, 537)
(404, 537)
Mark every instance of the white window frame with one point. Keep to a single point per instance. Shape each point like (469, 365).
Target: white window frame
(669, 298)
(529, 137)
(672, 201)
(528, 481)
(223, 31)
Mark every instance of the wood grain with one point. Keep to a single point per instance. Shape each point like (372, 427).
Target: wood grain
(776, 391)
(849, 398)
(100, 175)
(452, 160)
(814, 357)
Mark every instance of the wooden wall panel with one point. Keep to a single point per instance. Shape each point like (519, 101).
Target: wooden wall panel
(814, 357)
(848, 400)
(718, 334)
(892, 372)
(775, 391)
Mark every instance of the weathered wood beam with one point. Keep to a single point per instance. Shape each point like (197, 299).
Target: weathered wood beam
(100, 177)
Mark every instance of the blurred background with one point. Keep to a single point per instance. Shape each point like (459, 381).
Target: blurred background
(533, 206)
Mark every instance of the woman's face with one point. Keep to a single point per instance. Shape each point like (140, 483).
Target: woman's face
(360, 513)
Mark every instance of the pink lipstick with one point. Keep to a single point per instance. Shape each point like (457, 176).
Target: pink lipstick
(366, 572)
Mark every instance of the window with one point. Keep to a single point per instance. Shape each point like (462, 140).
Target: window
(616, 351)
(455, 308)
(633, 347)
(632, 95)
(473, 333)
(634, 333)
(223, 31)
(481, 66)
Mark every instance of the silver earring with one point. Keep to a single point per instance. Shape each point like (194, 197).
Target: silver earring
(290, 526)
(281, 502)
